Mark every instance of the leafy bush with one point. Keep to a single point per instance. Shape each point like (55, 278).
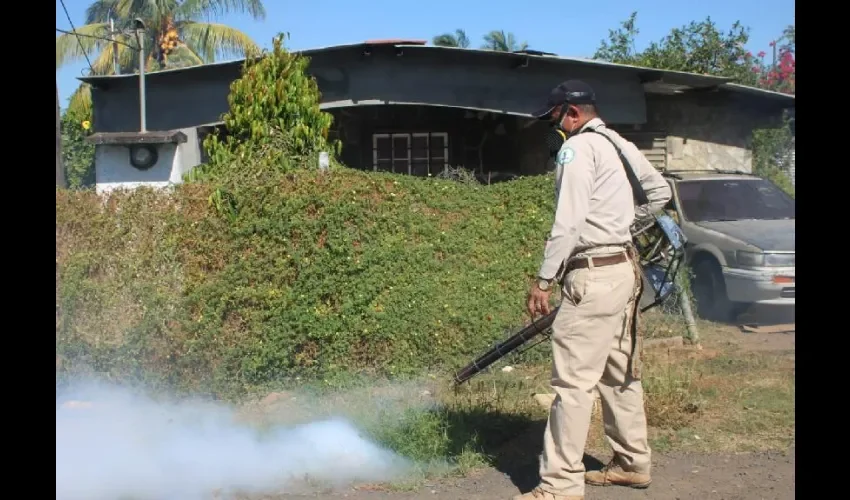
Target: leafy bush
(274, 121)
(309, 275)
(770, 145)
(77, 154)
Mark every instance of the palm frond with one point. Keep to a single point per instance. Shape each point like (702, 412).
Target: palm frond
(181, 57)
(68, 46)
(145, 8)
(125, 11)
(214, 41)
(458, 39)
(495, 40)
(127, 58)
(206, 10)
(99, 11)
(462, 39)
(185, 55)
(79, 104)
(103, 65)
(445, 40)
(501, 41)
(513, 46)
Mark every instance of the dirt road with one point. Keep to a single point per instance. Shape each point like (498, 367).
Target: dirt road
(676, 477)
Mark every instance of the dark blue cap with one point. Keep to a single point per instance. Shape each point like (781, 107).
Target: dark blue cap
(570, 91)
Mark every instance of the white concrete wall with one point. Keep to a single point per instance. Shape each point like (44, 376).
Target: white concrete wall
(708, 131)
(113, 169)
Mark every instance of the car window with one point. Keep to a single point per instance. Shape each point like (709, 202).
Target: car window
(707, 200)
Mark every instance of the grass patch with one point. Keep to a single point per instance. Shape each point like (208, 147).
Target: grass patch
(716, 399)
(753, 402)
(657, 324)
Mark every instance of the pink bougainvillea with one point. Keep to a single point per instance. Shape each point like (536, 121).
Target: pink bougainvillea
(777, 73)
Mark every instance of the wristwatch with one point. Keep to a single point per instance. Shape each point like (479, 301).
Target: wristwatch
(544, 284)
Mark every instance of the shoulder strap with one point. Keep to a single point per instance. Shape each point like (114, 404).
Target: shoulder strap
(637, 189)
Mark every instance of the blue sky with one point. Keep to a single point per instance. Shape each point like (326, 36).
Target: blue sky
(559, 27)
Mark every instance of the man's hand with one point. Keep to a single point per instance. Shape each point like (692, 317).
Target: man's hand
(538, 301)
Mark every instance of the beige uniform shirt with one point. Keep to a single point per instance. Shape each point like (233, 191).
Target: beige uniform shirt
(594, 204)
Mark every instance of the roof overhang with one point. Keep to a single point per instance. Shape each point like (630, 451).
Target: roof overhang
(654, 81)
(767, 94)
(519, 59)
(134, 138)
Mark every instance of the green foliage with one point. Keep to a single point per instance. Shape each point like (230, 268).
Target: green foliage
(274, 120)
(789, 36)
(698, 47)
(456, 39)
(301, 274)
(500, 41)
(496, 40)
(620, 47)
(77, 154)
(770, 147)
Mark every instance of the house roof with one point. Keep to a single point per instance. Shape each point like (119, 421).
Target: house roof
(655, 80)
(745, 89)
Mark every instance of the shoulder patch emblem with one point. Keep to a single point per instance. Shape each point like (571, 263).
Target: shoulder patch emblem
(566, 155)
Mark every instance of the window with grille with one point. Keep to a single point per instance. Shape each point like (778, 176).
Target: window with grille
(414, 154)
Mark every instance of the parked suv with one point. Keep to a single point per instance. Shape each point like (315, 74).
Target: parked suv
(740, 248)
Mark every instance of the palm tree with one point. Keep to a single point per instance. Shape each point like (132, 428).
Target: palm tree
(790, 38)
(176, 35)
(500, 41)
(458, 39)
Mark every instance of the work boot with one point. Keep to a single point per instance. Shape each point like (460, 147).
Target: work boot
(539, 494)
(613, 474)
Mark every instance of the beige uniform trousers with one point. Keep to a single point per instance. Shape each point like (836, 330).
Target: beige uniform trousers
(591, 343)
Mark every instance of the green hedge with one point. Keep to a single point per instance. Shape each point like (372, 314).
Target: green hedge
(308, 275)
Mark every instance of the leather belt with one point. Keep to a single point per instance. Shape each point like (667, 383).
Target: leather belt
(601, 261)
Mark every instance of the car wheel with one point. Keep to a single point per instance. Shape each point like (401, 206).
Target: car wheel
(709, 292)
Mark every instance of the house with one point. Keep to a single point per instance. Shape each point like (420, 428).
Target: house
(404, 106)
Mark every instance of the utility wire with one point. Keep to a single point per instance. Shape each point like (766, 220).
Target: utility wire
(68, 16)
(98, 38)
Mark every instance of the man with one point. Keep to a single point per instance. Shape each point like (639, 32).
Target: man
(590, 253)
